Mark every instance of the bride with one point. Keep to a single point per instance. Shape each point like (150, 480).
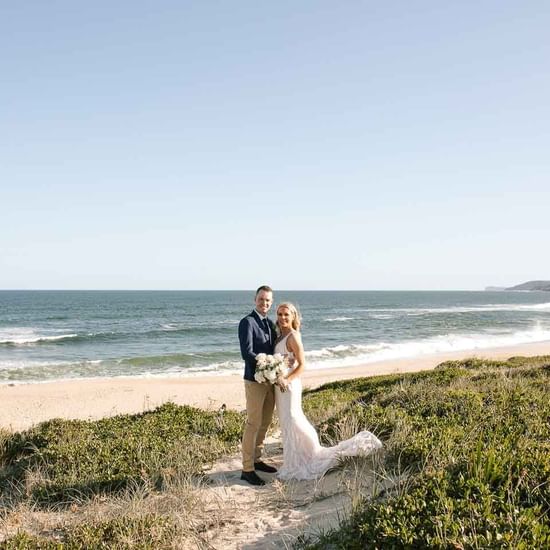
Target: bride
(303, 455)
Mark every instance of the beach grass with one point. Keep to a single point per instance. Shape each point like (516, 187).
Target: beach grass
(129, 481)
(466, 464)
(467, 448)
(60, 460)
(147, 533)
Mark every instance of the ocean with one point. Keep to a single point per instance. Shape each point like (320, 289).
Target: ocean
(56, 335)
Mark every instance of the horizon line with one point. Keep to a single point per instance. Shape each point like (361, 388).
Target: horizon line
(247, 290)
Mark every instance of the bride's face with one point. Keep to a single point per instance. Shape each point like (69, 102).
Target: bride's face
(284, 317)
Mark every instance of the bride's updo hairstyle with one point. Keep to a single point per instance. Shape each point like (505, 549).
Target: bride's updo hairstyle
(296, 319)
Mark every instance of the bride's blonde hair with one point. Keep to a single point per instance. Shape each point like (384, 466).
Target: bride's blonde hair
(296, 319)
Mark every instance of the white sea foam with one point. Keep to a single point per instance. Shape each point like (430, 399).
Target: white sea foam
(381, 316)
(147, 375)
(340, 356)
(27, 335)
(170, 327)
(338, 319)
(539, 307)
(15, 364)
(462, 309)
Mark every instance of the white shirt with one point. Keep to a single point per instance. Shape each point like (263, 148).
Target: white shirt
(262, 317)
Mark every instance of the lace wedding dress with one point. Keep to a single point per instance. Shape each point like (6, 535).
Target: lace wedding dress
(303, 455)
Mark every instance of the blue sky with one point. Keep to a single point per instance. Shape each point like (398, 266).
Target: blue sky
(307, 145)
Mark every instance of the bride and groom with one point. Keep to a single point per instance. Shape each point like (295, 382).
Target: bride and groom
(303, 456)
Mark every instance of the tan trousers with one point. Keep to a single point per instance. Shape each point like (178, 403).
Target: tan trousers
(260, 402)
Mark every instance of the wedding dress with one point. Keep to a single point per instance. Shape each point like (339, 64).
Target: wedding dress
(303, 455)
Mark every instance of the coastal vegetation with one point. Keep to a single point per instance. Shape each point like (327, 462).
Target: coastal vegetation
(104, 468)
(79, 458)
(468, 451)
(466, 464)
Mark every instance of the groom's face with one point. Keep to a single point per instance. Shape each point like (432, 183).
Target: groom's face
(264, 300)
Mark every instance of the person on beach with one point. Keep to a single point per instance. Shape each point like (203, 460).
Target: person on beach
(257, 334)
(303, 455)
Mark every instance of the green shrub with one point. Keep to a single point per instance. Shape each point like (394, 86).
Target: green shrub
(474, 437)
(77, 458)
(146, 533)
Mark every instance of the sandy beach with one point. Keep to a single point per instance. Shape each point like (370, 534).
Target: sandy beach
(23, 405)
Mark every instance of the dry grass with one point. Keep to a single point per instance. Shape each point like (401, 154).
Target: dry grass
(191, 508)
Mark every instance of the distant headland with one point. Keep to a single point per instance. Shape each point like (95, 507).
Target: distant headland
(529, 285)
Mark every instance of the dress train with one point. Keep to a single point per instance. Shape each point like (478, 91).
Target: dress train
(303, 456)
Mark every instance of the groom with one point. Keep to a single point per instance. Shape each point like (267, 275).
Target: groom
(256, 335)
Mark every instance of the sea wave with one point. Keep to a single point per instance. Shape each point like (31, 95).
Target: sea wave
(482, 308)
(182, 364)
(355, 354)
(26, 336)
(338, 319)
(14, 370)
(197, 325)
(185, 360)
(29, 336)
(381, 316)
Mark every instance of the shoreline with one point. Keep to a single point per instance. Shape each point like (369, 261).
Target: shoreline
(25, 404)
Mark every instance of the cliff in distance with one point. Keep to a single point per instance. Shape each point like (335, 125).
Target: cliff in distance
(532, 285)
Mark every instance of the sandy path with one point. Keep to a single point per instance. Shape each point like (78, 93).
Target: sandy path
(274, 516)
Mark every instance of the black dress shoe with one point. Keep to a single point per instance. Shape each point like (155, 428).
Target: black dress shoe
(263, 467)
(252, 478)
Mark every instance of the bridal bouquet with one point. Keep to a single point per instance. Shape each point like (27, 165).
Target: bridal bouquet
(269, 368)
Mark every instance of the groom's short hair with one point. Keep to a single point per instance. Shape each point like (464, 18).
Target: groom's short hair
(265, 288)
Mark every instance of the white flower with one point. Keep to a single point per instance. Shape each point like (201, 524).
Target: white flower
(259, 377)
(271, 376)
(269, 368)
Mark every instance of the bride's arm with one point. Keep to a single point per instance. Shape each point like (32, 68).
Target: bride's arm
(294, 342)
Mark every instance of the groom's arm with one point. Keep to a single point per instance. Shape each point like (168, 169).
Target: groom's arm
(246, 339)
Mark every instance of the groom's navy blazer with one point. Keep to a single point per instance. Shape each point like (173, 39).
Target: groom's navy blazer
(254, 339)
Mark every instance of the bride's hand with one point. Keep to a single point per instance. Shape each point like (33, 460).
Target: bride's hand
(283, 384)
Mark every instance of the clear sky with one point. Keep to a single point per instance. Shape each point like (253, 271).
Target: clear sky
(307, 145)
